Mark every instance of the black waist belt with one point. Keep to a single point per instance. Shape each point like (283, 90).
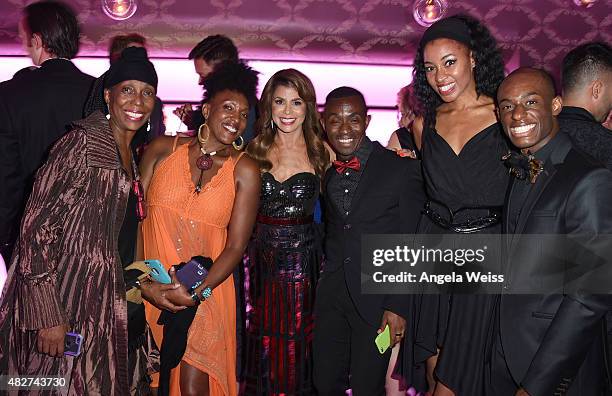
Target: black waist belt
(471, 225)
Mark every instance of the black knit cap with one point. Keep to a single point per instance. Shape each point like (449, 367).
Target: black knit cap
(451, 28)
(132, 65)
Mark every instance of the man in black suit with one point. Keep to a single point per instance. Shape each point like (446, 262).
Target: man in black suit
(549, 344)
(369, 190)
(587, 99)
(37, 107)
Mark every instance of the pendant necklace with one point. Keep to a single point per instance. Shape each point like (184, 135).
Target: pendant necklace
(205, 161)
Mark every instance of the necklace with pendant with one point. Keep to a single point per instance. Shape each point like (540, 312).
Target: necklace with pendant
(205, 161)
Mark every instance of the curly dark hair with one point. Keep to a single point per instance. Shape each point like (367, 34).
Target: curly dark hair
(313, 132)
(488, 72)
(233, 76)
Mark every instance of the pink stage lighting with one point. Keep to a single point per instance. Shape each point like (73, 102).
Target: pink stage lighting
(178, 84)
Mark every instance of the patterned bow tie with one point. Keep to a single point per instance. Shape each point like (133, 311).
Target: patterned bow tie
(341, 166)
(521, 165)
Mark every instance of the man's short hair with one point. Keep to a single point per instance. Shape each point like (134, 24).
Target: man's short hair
(585, 63)
(217, 48)
(121, 42)
(57, 26)
(346, 92)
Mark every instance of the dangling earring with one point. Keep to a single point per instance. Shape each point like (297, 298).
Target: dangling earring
(107, 116)
(149, 125)
(272, 125)
(238, 146)
(204, 162)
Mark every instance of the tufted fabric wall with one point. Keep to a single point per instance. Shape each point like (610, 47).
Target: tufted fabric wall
(531, 32)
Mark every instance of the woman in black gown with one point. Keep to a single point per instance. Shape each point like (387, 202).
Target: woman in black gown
(283, 255)
(458, 68)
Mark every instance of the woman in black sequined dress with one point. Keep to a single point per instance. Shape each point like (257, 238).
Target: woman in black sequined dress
(283, 256)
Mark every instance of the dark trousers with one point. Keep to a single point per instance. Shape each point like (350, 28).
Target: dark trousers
(343, 348)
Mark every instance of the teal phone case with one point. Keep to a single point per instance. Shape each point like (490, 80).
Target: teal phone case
(158, 272)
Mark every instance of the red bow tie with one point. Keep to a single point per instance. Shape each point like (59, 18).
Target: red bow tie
(341, 166)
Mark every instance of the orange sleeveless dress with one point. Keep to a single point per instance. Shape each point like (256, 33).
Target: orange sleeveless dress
(181, 224)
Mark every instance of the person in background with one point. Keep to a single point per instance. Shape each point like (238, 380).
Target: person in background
(402, 140)
(67, 274)
(284, 255)
(587, 99)
(37, 107)
(206, 55)
(202, 194)
(155, 127)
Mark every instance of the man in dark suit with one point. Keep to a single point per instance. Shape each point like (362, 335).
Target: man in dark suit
(549, 344)
(37, 107)
(587, 99)
(369, 190)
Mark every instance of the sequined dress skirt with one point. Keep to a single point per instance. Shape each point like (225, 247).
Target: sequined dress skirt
(282, 272)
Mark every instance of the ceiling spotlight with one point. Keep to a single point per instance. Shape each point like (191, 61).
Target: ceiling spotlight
(119, 10)
(427, 12)
(585, 3)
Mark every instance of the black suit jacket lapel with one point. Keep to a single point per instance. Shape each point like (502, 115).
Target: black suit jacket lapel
(368, 173)
(506, 220)
(550, 168)
(326, 180)
(327, 177)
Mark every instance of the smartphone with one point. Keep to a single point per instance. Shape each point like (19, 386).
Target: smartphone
(158, 272)
(72, 344)
(383, 340)
(193, 272)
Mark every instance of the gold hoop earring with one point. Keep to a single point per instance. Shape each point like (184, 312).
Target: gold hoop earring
(200, 138)
(238, 146)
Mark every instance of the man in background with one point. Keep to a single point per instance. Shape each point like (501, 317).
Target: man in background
(206, 55)
(37, 106)
(587, 99)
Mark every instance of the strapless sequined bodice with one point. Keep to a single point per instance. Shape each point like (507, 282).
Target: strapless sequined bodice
(293, 198)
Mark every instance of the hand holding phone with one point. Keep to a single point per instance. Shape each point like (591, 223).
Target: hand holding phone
(72, 344)
(383, 340)
(192, 273)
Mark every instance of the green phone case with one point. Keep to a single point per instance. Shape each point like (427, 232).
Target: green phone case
(383, 340)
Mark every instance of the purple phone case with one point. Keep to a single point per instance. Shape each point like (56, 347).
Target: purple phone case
(191, 274)
(72, 344)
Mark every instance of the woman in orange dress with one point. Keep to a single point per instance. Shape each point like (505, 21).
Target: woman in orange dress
(202, 195)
